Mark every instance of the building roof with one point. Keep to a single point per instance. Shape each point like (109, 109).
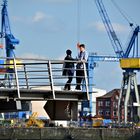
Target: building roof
(110, 93)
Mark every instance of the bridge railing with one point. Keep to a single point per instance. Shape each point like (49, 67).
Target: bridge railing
(42, 74)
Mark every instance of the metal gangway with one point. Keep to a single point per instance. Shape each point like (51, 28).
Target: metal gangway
(38, 79)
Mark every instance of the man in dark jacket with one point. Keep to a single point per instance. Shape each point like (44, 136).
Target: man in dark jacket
(68, 69)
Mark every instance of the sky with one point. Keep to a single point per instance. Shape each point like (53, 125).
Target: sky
(47, 28)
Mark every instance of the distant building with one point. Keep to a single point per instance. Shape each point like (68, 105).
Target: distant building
(96, 93)
(107, 106)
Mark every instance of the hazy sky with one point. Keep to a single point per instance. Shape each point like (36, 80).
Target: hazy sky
(46, 28)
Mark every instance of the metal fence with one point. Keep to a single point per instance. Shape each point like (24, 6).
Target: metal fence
(19, 73)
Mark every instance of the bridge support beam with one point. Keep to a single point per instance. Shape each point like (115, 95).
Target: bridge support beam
(14, 106)
(62, 110)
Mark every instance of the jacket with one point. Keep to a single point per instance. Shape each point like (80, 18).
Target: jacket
(68, 67)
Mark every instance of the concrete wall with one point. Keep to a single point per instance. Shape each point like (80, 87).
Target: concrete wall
(38, 106)
(57, 133)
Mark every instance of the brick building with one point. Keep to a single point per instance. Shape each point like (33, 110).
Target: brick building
(107, 105)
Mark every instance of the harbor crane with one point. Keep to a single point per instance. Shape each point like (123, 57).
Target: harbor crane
(10, 40)
(8, 43)
(129, 62)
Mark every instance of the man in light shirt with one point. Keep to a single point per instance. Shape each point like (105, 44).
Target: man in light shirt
(82, 55)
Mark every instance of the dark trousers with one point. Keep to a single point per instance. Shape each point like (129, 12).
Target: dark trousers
(68, 83)
(79, 78)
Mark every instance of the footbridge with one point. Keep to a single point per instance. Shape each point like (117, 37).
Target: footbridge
(23, 80)
(38, 79)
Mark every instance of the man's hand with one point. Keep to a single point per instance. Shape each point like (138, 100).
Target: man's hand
(78, 45)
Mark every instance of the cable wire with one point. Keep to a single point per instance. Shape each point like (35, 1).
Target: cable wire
(78, 19)
(123, 13)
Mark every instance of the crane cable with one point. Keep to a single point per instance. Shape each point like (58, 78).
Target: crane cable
(78, 20)
(78, 23)
(123, 13)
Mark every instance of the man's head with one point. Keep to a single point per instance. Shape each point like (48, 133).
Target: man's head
(68, 52)
(82, 47)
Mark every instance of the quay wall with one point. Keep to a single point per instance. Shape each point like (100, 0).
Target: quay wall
(56, 133)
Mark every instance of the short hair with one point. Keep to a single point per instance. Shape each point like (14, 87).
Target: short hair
(68, 52)
(82, 45)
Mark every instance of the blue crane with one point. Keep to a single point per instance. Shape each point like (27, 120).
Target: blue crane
(10, 40)
(117, 45)
(129, 60)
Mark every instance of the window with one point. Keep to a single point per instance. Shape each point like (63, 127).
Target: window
(107, 113)
(117, 97)
(128, 112)
(114, 113)
(100, 112)
(100, 103)
(107, 103)
(115, 104)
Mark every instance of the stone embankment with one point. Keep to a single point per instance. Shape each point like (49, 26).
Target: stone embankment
(56, 133)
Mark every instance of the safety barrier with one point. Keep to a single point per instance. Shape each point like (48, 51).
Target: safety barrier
(43, 74)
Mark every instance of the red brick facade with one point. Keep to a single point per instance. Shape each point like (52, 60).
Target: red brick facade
(107, 105)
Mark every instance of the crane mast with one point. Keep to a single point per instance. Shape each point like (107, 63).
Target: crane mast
(10, 40)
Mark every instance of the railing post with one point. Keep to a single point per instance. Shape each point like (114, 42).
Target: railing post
(86, 80)
(26, 77)
(16, 76)
(51, 78)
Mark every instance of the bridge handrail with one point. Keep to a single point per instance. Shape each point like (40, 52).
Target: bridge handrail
(37, 74)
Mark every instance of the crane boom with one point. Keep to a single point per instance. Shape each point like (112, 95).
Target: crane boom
(10, 40)
(111, 33)
(113, 37)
